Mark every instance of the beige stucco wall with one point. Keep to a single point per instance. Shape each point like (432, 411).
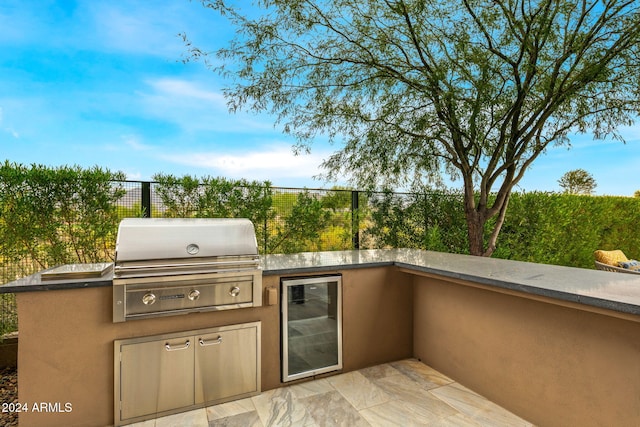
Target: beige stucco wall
(552, 365)
(66, 350)
(66, 340)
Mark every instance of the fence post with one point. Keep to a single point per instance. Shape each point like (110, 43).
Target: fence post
(266, 224)
(425, 213)
(146, 199)
(355, 222)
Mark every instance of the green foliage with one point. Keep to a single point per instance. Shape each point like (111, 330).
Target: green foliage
(283, 203)
(300, 230)
(213, 197)
(133, 211)
(551, 228)
(433, 221)
(56, 216)
(344, 219)
(565, 229)
(397, 222)
(209, 197)
(181, 197)
(284, 221)
(577, 181)
(337, 199)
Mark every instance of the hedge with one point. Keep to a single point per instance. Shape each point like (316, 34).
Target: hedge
(60, 215)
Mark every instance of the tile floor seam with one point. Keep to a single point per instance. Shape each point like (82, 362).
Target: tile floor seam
(370, 384)
(442, 400)
(374, 395)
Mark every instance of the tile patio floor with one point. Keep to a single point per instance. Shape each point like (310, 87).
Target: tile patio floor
(403, 393)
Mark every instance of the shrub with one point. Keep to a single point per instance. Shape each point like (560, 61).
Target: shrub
(53, 216)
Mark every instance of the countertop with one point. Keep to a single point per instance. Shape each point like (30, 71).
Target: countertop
(613, 291)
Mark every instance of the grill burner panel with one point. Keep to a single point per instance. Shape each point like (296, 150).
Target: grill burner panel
(203, 276)
(201, 293)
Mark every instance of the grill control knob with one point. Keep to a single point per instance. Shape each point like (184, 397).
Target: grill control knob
(193, 294)
(148, 298)
(235, 291)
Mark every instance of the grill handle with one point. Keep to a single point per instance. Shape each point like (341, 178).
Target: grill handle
(218, 264)
(204, 343)
(186, 345)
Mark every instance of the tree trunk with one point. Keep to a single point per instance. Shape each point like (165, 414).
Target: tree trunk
(475, 232)
(477, 217)
(475, 223)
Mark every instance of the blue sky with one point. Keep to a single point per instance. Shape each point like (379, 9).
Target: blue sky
(100, 82)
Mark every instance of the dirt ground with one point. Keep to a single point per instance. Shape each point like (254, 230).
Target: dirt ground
(8, 395)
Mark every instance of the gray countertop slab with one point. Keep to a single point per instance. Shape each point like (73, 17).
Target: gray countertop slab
(280, 264)
(35, 283)
(614, 291)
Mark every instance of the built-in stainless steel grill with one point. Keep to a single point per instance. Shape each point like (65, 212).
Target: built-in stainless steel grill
(171, 266)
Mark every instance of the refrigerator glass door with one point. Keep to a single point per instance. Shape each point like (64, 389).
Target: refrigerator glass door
(312, 326)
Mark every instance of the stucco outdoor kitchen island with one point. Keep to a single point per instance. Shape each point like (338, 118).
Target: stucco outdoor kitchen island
(555, 345)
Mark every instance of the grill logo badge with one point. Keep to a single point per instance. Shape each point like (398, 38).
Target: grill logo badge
(193, 249)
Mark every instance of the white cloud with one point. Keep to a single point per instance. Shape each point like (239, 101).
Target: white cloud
(138, 27)
(134, 176)
(186, 89)
(7, 129)
(133, 142)
(273, 163)
(631, 133)
(195, 106)
(150, 27)
(12, 132)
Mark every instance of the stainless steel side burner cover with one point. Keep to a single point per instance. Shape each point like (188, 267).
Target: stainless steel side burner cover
(171, 266)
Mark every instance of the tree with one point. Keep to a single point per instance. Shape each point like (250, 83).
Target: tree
(577, 181)
(415, 90)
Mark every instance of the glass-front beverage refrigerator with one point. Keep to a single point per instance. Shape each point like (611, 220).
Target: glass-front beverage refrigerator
(311, 326)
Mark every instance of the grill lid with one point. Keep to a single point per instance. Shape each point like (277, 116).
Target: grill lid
(147, 239)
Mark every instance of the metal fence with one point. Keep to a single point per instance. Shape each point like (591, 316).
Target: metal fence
(334, 219)
(286, 220)
(8, 314)
(334, 214)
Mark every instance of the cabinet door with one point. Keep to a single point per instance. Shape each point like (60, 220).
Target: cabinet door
(156, 376)
(226, 364)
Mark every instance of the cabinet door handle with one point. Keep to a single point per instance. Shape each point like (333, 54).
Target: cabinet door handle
(204, 343)
(186, 345)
